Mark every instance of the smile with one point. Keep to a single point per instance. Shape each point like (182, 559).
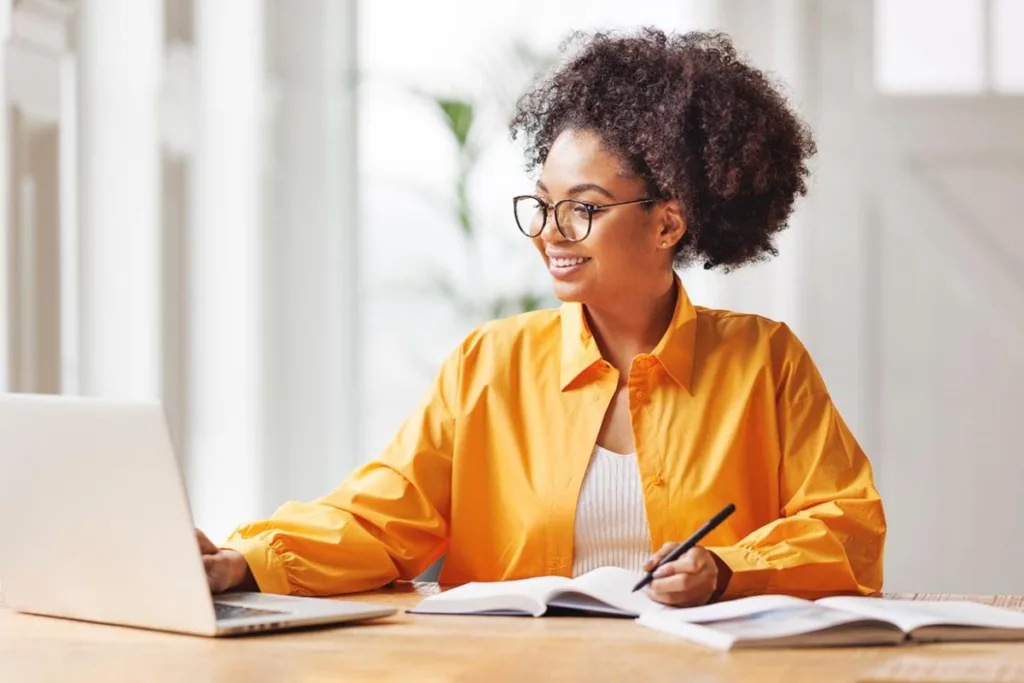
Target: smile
(567, 262)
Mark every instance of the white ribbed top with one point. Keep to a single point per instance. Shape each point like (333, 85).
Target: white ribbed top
(611, 521)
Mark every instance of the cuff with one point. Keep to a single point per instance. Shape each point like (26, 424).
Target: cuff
(724, 576)
(265, 565)
(747, 573)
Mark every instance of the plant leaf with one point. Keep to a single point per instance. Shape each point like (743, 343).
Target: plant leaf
(458, 116)
(463, 210)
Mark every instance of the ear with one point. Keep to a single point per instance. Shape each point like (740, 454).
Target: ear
(673, 224)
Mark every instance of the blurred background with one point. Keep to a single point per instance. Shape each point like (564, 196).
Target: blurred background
(277, 217)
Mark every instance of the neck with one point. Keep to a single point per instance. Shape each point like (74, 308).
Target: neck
(632, 324)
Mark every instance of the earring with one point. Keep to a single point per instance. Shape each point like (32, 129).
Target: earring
(664, 244)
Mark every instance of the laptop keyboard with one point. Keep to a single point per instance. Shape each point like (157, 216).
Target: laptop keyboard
(228, 611)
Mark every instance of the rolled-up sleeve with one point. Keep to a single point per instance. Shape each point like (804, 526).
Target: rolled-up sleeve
(830, 535)
(388, 520)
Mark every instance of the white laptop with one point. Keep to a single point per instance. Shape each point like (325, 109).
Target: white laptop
(96, 526)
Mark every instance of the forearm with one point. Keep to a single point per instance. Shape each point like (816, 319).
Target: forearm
(833, 548)
(306, 549)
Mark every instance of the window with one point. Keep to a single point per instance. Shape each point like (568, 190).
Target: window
(948, 47)
(1008, 46)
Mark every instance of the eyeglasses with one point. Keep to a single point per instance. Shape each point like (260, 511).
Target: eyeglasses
(573, 218)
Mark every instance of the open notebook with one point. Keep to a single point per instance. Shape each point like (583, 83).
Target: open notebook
(607, 590)
(781, 621)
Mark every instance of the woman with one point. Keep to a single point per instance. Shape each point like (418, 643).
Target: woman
(558, 441)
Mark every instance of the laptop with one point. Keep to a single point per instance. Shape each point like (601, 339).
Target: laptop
(96, 526)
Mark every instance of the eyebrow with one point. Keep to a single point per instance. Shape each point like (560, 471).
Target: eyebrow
(582, 187)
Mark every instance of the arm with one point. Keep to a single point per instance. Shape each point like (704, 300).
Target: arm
(387, 520)
(831, 531)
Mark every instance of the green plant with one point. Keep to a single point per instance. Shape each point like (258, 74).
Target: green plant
(460, 118)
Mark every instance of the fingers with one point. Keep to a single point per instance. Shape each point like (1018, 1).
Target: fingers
(675, 583)
(657, 557)
(215, 562)
(690, 563)
(217, 573)
(688, 581)
(206, 546)
(210, 565)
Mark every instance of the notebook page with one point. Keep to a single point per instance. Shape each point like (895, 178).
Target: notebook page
(800, 624)
(914, 614)
(613, 586)
(488, 595)
(733, 609)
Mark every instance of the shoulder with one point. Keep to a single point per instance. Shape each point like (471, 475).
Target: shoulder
(747, 331)
(501, 341)
(498, 350)
(516, 329)
(760, 343)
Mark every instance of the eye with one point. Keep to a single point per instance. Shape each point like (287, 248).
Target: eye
(583, 210)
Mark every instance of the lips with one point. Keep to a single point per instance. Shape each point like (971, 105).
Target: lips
(565, 266)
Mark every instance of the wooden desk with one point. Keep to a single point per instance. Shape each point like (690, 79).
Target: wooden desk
(424, 648)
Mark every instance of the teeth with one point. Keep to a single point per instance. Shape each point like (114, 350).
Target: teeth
(566, 262)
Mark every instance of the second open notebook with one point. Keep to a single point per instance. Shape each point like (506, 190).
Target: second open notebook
(781, 621)
(607, 590)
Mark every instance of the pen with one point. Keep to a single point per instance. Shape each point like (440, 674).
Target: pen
(688, 543)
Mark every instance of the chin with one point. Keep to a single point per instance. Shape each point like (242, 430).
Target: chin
(570, 292)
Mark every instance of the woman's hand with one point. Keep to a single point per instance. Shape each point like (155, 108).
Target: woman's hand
(225, 569)
(689, 581)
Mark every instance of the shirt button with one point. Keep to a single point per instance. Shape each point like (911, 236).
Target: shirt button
(640, 396)
(659, 480)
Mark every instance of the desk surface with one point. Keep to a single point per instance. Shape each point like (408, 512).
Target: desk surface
(447, 648)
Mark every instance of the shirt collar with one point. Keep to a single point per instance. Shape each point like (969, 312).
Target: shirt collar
(675, 351)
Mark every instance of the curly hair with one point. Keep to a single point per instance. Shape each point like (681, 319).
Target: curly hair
(686, 114)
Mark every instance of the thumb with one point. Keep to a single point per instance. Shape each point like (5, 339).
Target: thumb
(206, 546)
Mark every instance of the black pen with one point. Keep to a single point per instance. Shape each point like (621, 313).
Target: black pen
(688, 543)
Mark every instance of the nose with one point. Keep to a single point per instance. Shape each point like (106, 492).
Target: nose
(550, 232)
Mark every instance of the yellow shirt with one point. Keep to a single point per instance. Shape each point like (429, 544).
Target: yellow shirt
(488, 468)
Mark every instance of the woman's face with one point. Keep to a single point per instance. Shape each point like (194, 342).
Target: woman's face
(629, 248)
